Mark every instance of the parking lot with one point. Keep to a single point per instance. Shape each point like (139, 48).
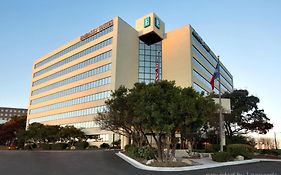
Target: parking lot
(103, 162)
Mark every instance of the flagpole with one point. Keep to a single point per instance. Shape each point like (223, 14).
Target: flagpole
(221, 120)
(157, 66)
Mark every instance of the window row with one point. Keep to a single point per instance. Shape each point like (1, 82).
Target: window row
(75, 56)
(148, 69)
(11, 115)
(213, 59)
(13, 111)
(149, 64)
(78, 113)
(73, 90)
(155, 53)
(147, 81)
(149, 58)
(88, 124)
(157, 46)
(85, 99)
(201, 67)
(149, 76)
(74, 67)
(75, 46)
(199, 89)
(84, 75)
(98, 138)
(207, 83)
(203, 80)
(211, 66)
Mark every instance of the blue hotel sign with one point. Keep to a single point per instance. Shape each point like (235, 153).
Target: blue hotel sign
(157, 22)
(147, 22)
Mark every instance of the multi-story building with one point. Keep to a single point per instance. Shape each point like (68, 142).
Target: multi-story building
(7, 113)
(70, 84)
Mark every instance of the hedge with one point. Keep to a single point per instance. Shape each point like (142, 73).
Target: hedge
(59, 146)
(244, 150)
(142, 152)
(45, 146)
(221, 157)
(81, 145)
(104, 146)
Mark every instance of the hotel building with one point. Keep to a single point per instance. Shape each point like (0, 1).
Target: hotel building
(70, 84)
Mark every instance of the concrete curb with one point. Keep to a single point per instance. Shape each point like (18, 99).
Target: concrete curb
(188, 168)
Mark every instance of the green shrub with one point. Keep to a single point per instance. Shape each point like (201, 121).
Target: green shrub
(45, 146)
(241, 149)
(104, 146)
(146, 152)
(59, 146)
(221, 157)
(93, 147)
(30, 146)
(81, 145)
(132, 151)
(271, 152)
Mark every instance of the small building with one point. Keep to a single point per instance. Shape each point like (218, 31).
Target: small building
(7, 113)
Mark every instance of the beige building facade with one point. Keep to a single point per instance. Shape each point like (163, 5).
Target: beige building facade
(70, 84)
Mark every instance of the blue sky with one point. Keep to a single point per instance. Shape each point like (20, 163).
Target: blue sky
(245, 34)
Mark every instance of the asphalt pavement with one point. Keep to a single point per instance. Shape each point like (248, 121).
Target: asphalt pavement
(104, 162)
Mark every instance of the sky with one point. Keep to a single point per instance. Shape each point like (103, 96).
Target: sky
(245, 34)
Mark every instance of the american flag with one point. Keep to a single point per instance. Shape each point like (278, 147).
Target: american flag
(156, 72)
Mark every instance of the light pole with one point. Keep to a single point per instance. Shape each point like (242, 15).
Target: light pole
(275, 141)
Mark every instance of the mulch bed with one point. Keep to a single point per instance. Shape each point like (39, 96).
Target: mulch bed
(266, 156)
(169, 164)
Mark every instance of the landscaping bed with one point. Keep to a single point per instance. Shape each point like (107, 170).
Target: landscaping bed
(266, 156)
(154, 163)
(170, 164)
(146, 156)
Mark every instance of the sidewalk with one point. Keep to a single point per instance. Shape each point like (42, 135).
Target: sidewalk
(205, 163)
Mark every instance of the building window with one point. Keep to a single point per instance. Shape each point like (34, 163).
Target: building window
(148, 57)
(80, 65)
(104, 137)
(79, 44)
(199, 89)
(75, 56)
(77, 113)
(84, 87)
(84, 75)
(85, 99)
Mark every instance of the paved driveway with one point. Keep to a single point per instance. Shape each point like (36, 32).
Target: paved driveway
(104, 163)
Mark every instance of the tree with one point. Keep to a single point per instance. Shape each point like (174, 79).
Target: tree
(40, 133)
(245, 116)
(153, 110)
(70, 133)
(9, 130)
(120, 117)
(158, 109)
(188, 113)
(200, 108)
